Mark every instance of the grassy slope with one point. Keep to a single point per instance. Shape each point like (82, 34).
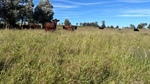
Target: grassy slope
(85, 56)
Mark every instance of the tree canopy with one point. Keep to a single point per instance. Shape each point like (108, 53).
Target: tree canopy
(43, 11)
(12, 11)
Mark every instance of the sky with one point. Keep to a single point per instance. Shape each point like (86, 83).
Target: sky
(113, 12)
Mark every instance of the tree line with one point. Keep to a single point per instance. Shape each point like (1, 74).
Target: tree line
(13, 11)
(95, 24)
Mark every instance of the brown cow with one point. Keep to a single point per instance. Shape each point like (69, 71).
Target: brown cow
(51, 26)
(17, 26)
(34, 26)
(71, 28)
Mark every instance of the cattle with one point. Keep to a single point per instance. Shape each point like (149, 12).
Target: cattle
(70, 28)
(37, 26)
(31, 26)
(101, 27)
(51, 26)
(25, 26)
(135, 29)
(17, 26)
(75, 27)
(13, 26)
(34, 26)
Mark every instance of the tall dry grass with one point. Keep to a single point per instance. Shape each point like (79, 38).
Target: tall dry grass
(85, 56)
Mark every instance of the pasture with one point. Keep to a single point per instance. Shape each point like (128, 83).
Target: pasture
(85, 56)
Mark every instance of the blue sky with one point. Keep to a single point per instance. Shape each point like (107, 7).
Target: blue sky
(113, 12)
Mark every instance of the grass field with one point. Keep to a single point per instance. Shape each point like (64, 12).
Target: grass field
(85, 56)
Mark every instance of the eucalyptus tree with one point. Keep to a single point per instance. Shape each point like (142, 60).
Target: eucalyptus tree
(9, 10)
(26, 11)
(142, 25)
(103, 24)
(1, 6)
(132, 26)
(14, 10)
(43, 12)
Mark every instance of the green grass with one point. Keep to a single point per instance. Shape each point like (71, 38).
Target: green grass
(85, 56)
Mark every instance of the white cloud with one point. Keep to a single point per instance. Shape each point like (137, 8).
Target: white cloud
(64, 6)
(135, 13)
(79, 3)
(134, 1)
(68, 14)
